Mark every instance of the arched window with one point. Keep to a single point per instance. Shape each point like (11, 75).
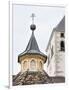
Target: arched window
(25, 65)
(62, 46)
(40, 65)
(33, 65)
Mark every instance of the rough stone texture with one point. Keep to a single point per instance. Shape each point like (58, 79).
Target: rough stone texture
(28, 78)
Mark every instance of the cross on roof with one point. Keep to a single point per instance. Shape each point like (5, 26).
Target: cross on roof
(33, 15)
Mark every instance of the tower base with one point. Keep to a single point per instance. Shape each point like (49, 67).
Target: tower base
(29, 77)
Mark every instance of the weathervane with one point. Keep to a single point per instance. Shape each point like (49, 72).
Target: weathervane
(33, 26)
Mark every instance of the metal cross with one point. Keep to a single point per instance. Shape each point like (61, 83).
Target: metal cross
(33, 15)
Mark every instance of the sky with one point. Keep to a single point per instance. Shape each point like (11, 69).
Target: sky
(46, 18)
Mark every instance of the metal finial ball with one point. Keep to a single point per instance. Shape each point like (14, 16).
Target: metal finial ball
(33, 27)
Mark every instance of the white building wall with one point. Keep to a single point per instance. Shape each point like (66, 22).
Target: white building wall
(51, 68)
(60, 56)
(56, 65)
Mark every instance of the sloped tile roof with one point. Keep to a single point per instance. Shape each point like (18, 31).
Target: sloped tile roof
(61, 25)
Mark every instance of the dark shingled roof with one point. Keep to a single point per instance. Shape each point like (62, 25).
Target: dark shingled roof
(61, 25)
(32, 47)
(59, 28)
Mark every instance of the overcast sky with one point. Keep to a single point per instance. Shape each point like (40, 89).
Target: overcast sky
(46, 18)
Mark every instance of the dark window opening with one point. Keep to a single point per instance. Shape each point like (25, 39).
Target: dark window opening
(62, 46)
(62, 34)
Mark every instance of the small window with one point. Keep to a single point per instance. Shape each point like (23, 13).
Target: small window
(62, 46)
(62, 34)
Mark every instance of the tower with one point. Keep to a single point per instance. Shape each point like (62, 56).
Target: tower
(56, 51)
(32, 61)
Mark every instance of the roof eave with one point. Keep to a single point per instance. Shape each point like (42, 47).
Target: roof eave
(44, 56)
